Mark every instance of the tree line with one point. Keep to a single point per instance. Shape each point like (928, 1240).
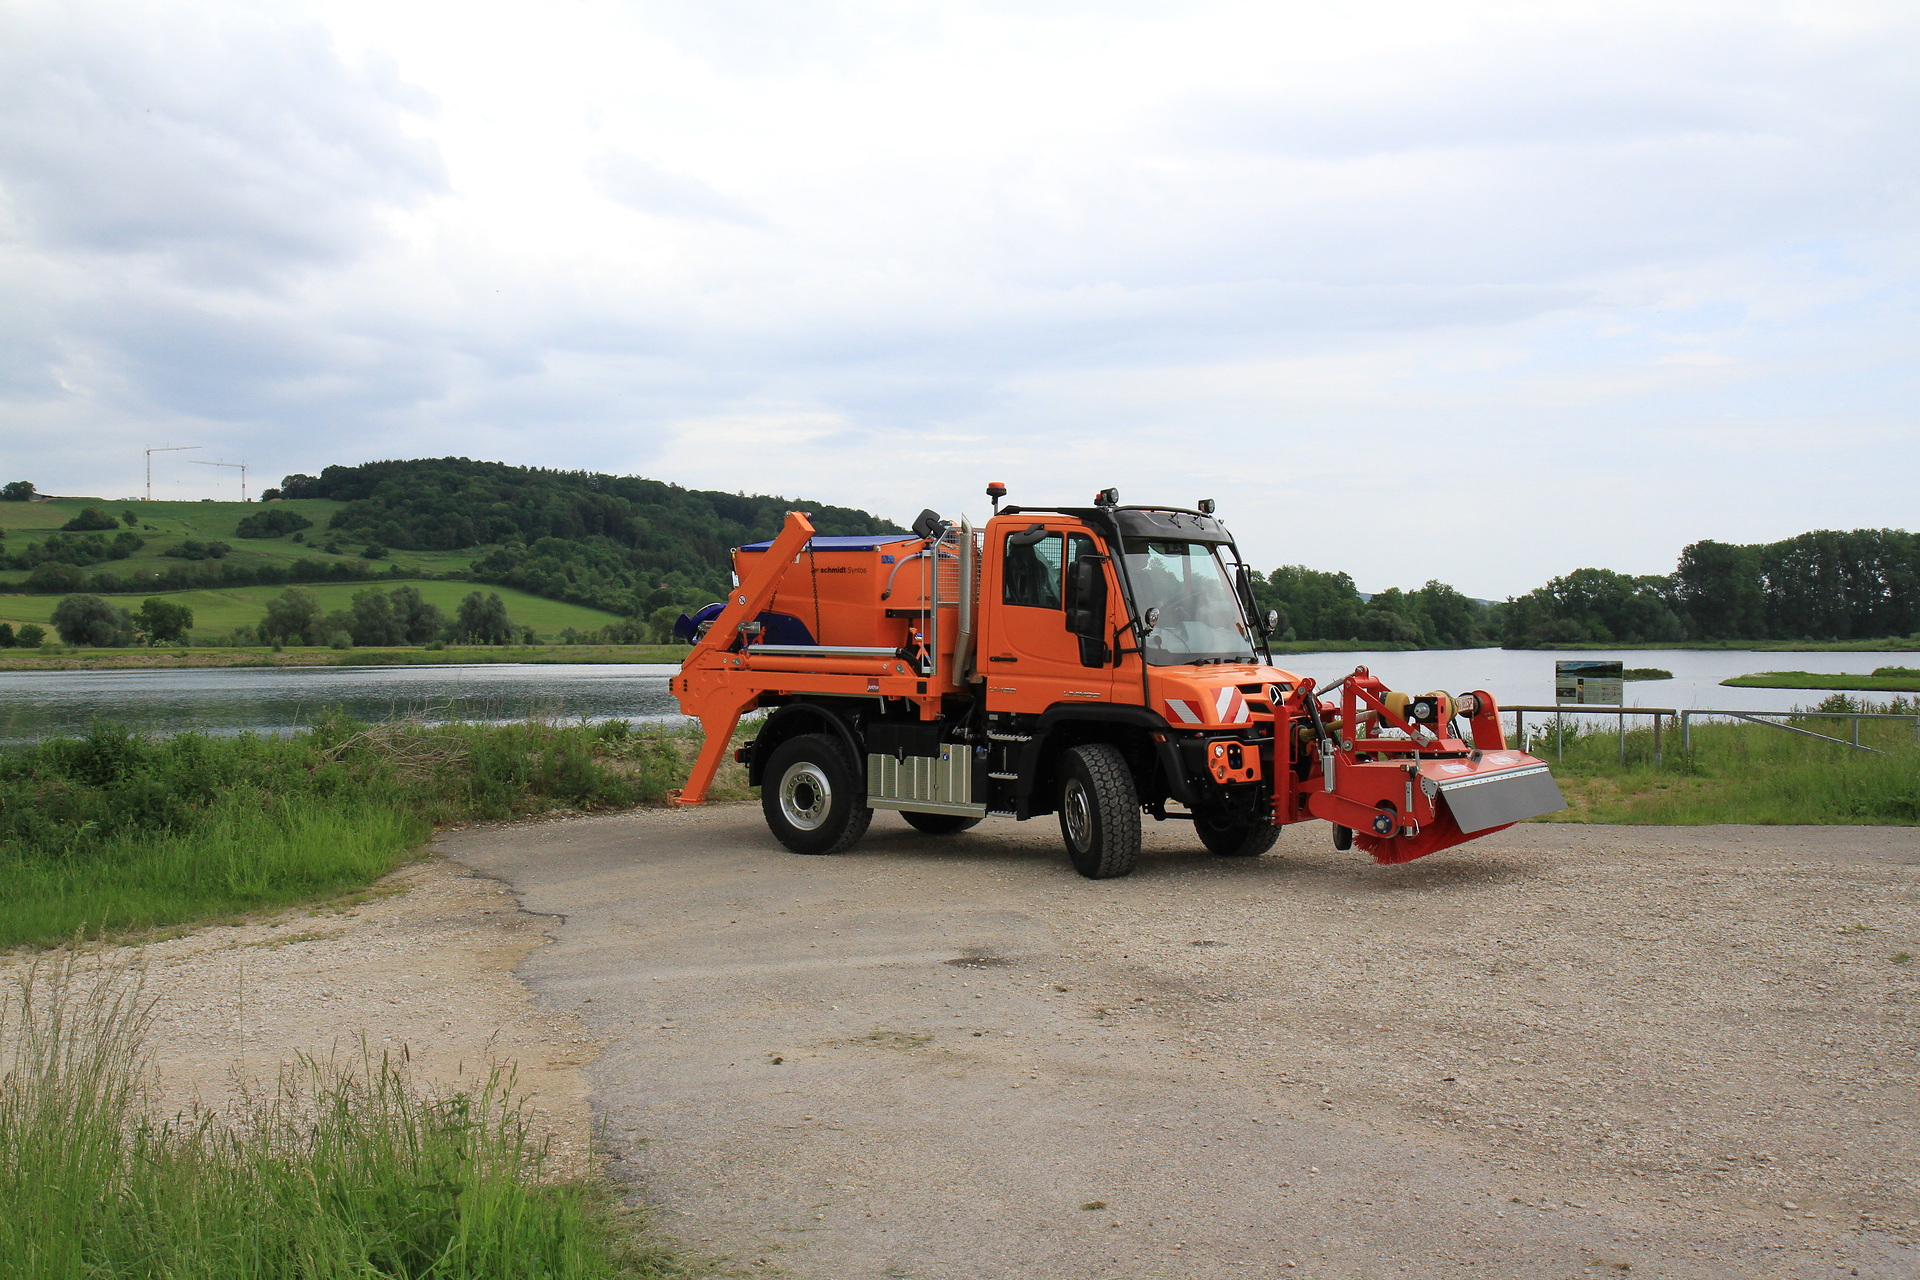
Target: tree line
(1861, 584)
(295, 616)
(1858, 585)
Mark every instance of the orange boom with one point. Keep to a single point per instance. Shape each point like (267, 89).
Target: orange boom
(1098, 663)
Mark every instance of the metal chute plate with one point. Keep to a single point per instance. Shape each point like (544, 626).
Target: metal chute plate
(1485, 800)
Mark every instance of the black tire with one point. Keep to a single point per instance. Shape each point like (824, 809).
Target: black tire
(1099, 811)
(1342, 837)
(940, 824)
(1231, 839)
(814, 799)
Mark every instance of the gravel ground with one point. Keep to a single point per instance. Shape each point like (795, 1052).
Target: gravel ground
(1560, 1051)
(423, 964)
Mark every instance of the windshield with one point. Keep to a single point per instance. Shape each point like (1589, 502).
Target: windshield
(1199, 618)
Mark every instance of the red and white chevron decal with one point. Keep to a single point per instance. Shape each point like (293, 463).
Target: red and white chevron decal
(1228, 708)
(1231, 706)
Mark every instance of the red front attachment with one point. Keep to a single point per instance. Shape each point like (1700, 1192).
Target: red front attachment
(1425, 788)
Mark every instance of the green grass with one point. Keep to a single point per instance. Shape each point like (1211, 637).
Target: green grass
(236, 860)
(1908, 682)
(222, 610)
(175, 522)
(1646, 673)
(124, 834)
(345, 1170)
(1741, 773)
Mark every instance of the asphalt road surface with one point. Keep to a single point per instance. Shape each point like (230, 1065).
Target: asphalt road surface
(1560, 1051)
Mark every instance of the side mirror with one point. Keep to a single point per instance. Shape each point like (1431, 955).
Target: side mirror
(1087, 598)
(1087, 609)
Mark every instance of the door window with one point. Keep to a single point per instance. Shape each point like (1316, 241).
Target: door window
(1031, 572)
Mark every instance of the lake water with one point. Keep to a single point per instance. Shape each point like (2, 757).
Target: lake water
(41, 704)
(1522, 677)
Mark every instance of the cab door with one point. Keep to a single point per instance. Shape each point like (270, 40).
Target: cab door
(1031, 659)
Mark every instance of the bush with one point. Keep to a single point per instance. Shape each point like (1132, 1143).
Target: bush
(291, 615)
(51, 577)
(91, 621)
(6, 636)
(274, 522)
(30, 636)
(194, 550)
(482, 619)
(90, 520)
(374, 551)
(161, 621)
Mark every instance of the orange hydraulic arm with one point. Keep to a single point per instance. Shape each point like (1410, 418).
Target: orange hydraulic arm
(719, 703)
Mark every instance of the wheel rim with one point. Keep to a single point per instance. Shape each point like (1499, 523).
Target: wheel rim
(1075, 806)
(805, 795)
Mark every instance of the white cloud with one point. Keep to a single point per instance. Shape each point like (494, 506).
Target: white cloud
(1579, 282)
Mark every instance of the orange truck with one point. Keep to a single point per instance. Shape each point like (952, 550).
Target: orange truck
(1101, 663)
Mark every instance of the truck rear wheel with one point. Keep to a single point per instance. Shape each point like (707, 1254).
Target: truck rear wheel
(812, 796)
(1236, 839)
(1099, 811)
(940, 824)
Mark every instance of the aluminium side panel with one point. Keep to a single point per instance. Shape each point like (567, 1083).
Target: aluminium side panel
(924, 784)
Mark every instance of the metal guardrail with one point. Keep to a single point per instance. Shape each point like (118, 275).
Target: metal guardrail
(1520, 722)
(1685, 717)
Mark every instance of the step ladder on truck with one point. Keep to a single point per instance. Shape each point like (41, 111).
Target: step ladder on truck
(1102, 663)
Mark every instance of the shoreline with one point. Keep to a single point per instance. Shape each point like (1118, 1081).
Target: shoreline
(158, 659)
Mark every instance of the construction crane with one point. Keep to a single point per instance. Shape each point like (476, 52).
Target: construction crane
(241, 465)
(1102, 663)
(177, 448)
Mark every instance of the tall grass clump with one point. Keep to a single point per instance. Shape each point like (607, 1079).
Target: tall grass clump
(338, 1171)
(127, 832)
(1738, 771)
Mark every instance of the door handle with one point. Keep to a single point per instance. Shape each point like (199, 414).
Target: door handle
(998, 658)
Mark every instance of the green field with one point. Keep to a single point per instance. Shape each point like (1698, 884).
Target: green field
(1876, 683)
(168, 524)
(222, 610)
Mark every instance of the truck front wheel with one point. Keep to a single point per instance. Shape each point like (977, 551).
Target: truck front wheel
(812, 797)
(1232, 839)
(1099, 811)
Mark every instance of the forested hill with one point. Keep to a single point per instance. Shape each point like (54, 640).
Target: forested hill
(621, 543)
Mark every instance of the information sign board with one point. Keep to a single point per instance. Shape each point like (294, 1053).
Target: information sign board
(1583, 681)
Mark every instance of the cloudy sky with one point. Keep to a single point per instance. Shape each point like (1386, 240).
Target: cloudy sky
(1482, 292)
